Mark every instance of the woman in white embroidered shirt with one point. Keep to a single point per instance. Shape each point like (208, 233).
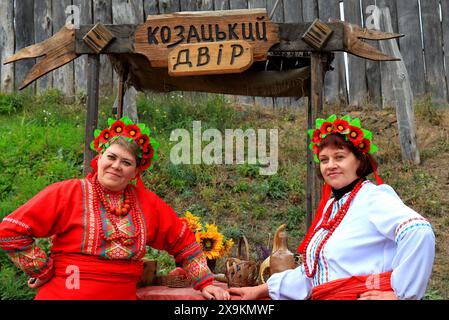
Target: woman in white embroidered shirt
(364, 242)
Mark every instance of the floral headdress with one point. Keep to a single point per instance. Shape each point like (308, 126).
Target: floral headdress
(351, 130)
(125, 127)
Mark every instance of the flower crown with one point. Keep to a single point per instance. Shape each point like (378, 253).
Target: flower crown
(350, 129)
(125, 127)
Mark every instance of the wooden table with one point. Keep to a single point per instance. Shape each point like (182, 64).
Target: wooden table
(167, 293)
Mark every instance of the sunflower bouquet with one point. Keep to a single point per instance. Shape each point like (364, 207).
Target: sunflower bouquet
(214, 243)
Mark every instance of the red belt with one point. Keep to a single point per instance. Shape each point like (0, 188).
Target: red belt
(351, 288)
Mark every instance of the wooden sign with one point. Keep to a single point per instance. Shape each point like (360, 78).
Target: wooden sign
(162, 33)
(210, 58)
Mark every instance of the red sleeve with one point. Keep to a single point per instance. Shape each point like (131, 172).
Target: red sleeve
(39, 217)
(167, 232)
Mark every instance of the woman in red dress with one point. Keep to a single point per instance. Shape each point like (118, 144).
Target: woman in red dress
(100, 226)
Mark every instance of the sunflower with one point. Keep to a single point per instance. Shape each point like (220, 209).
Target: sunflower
(226, 247)
(211, 241)
(193, 222)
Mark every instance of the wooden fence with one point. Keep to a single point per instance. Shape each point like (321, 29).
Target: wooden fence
(25, 22)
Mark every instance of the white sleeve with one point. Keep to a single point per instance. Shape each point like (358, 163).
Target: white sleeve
(413, 262)
(290, 285)
(415, 242)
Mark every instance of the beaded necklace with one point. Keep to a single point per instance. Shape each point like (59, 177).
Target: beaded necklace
(116, 214)
(329, 225)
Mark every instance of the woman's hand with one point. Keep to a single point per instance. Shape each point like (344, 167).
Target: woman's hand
(212, 292)
(34, 283)
(251, 293)
(378, 295)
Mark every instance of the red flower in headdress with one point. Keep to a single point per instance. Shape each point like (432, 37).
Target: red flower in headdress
(118, 127)
(315, 149)
(142, 140)
(364, 145)
(316, 137)
(355, 135)
(105, 135)
(145, 164)
(326, 128)
(97, 143)
(147, 151)
(341, 125)
(132, 130)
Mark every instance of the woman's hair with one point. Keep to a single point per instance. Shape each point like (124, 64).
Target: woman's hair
(131, 146)
(338, 141)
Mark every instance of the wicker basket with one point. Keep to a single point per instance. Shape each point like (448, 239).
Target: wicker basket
(239, 272)
(173, 281)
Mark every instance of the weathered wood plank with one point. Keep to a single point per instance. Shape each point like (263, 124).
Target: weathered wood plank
(261, 101)
(402, 96)
(293, 13)
(358, 90)
(373, 73)
(169, 6)
(85, 10)
(93, 87)
(124, 11)
(221, 4)
(335, 80)
(433, 51)
(445, 28)
(391, 5)
(309, 10)
(150, 7)
(7, 44)
(277, 16)
(197, 5)
(103, 13)
(63, 78)
(409, 24)
(24, 30)
(42, 31)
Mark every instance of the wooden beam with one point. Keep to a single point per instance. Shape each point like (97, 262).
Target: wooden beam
(93, 83)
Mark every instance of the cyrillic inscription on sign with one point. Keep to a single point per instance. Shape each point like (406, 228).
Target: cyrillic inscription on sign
(162, 33)
(210, 58)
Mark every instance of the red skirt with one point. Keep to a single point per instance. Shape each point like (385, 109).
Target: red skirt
(83, 277)
(351, 288)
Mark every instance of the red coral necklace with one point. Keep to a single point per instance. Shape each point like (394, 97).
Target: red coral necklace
(330, 225)
(115, 214)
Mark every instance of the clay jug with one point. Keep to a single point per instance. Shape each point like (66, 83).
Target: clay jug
(282, 259)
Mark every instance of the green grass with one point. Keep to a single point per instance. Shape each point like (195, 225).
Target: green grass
(41, 139)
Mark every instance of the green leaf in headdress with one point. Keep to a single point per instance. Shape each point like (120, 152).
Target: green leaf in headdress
(310, 132)
(92, 145)
(97, 133)
(346, 118)
(367, 134)
(319, 122)
(311, 146)
(331, 118)
(373, 148)
(315, 158)
(110, 122)
(126, 120)
(356, 123)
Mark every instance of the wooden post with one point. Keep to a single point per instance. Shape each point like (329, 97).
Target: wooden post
(93, 83)
(315, 109)
(120, 95)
